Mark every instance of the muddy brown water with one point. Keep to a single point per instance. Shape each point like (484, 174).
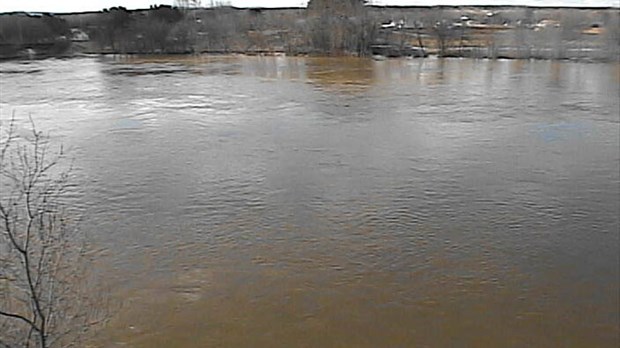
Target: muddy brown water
(308, 202)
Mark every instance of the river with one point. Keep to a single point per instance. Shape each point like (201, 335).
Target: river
(341, 202)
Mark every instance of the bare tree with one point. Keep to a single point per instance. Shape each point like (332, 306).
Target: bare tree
(114, 28)
(611, 36)
(45, 300)
(340, 26)
(187, 4)
(223, 27)
(440, 27)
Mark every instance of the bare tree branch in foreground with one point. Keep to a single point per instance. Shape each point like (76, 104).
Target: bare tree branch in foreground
(45, 299)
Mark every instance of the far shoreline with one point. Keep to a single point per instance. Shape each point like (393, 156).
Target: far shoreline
(173, 55)
(344, 29)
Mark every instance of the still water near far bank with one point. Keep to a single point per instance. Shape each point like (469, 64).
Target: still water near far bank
(248, 201)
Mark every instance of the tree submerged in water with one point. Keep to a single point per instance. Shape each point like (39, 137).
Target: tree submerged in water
(45, 297)
(340, 27)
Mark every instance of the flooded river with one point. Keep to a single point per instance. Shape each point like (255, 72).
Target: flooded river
(301, 202)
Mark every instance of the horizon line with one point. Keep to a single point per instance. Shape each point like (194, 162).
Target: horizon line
(591, 7)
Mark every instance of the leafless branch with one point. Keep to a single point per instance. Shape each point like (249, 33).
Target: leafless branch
(40, 254)
(20, 317)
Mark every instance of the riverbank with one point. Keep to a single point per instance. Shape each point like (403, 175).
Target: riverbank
(484, 54)
(466, 31)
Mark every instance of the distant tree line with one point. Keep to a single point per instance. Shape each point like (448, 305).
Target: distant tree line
(161, 29)
(331, 27)
(325, 27)
(39, 30)
(341, 26)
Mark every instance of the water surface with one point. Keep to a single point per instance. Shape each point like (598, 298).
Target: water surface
(248, 201)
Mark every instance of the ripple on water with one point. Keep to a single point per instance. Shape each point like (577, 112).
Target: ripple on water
(305, 201)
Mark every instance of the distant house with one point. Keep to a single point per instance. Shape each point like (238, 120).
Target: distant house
(392, 24)
(77, 35)
(479, 26)
(594, 29)
(388, 25)
(547, 23)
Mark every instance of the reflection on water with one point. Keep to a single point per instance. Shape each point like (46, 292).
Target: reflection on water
(348, 74)
(342, 73)
(274, 201)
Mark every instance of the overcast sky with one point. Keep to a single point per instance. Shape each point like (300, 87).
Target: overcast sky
(96, 5)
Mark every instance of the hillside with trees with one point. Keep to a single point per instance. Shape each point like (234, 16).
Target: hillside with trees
(325, 27)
